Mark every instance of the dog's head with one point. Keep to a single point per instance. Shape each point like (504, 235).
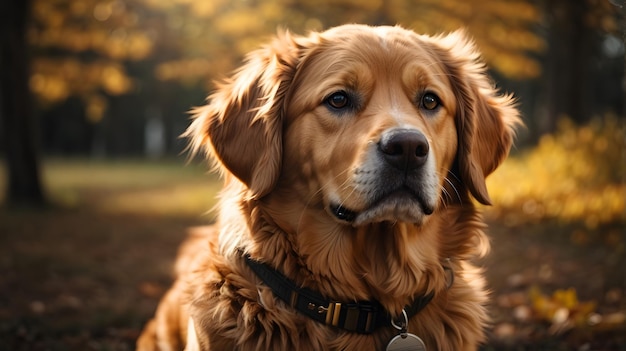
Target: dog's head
(370, 124)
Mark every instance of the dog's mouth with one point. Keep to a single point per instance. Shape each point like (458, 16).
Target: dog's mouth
(398, 206)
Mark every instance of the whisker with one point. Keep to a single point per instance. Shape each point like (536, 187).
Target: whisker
(442, 197)
(454, 175)
(344, 185)
(454, 188)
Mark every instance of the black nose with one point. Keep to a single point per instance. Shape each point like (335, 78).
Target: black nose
(404, 149)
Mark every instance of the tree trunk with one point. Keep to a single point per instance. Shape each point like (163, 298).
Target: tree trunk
(18, 123)
(566, 64)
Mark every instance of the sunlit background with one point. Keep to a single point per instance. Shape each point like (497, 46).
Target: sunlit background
(126, 71)
(112, 82)
(116, 79)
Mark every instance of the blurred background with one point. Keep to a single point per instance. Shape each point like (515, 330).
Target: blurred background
(97, 193)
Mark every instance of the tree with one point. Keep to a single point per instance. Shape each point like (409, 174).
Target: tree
(98, 50)
(504, 30)
(95, 51)
(80, 48)
(18, 127)
(574, 31)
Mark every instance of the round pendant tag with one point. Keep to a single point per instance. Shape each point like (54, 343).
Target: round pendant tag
(409, 343)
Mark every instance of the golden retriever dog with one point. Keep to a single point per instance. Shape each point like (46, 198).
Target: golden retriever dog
(352, 161)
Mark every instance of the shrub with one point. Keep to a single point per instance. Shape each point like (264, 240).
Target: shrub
(575, 174)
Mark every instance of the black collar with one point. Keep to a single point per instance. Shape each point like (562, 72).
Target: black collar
(362, 317)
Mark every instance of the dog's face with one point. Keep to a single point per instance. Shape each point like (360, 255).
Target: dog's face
(370, 126)
(367, 124)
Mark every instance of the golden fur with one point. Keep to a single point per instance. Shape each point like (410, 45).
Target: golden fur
(288, 157)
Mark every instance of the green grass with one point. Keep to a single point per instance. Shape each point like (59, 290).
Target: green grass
(168, 187)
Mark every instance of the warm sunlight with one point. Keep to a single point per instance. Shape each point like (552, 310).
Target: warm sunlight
(98, 188)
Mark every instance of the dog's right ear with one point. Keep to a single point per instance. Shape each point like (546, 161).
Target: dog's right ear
(241, 126)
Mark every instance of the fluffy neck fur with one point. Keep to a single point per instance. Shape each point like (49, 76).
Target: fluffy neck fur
(388, 262)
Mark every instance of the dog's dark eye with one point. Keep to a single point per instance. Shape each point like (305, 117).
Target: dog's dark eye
(430, 101)
(338, 100)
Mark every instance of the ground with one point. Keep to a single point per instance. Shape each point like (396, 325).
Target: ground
(87, 273)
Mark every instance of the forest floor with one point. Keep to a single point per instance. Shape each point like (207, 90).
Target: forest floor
(87, 274)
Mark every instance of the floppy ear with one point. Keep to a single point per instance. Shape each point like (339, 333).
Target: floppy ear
(241, 126)
(485, 120)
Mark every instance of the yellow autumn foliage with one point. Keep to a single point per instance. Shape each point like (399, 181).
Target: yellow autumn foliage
(55, 80)
(503, 29)
(562, 310)
(576, 174)
(106, 27)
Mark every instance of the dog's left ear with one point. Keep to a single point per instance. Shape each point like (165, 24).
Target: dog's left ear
(241, 126)
(485, 120)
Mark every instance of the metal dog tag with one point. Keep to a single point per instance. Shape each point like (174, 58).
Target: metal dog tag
(406, 342)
